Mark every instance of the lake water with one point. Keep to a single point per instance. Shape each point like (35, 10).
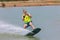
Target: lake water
(45, 17)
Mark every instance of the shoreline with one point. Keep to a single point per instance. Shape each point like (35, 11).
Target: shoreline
(28, 3)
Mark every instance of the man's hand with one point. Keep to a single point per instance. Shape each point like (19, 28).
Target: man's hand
(29, 15)
(23, 19)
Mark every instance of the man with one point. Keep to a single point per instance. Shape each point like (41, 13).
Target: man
(27, 20)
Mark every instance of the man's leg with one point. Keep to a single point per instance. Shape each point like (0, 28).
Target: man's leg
(25, 25)
(33, 27)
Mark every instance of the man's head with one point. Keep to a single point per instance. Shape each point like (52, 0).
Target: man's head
(24, 11)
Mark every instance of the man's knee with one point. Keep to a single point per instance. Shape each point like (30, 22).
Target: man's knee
(30, 23)
(25, 25)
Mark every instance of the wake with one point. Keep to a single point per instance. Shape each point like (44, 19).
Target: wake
(11, 29)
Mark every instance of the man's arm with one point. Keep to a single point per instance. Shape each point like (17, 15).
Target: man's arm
(22, 17)
(29, 15)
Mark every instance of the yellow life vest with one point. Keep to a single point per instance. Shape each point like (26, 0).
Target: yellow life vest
(27, 19)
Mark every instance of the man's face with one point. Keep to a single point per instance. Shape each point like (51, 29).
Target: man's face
(24, 11)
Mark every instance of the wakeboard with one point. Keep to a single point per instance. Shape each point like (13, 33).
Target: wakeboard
(35, 31)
